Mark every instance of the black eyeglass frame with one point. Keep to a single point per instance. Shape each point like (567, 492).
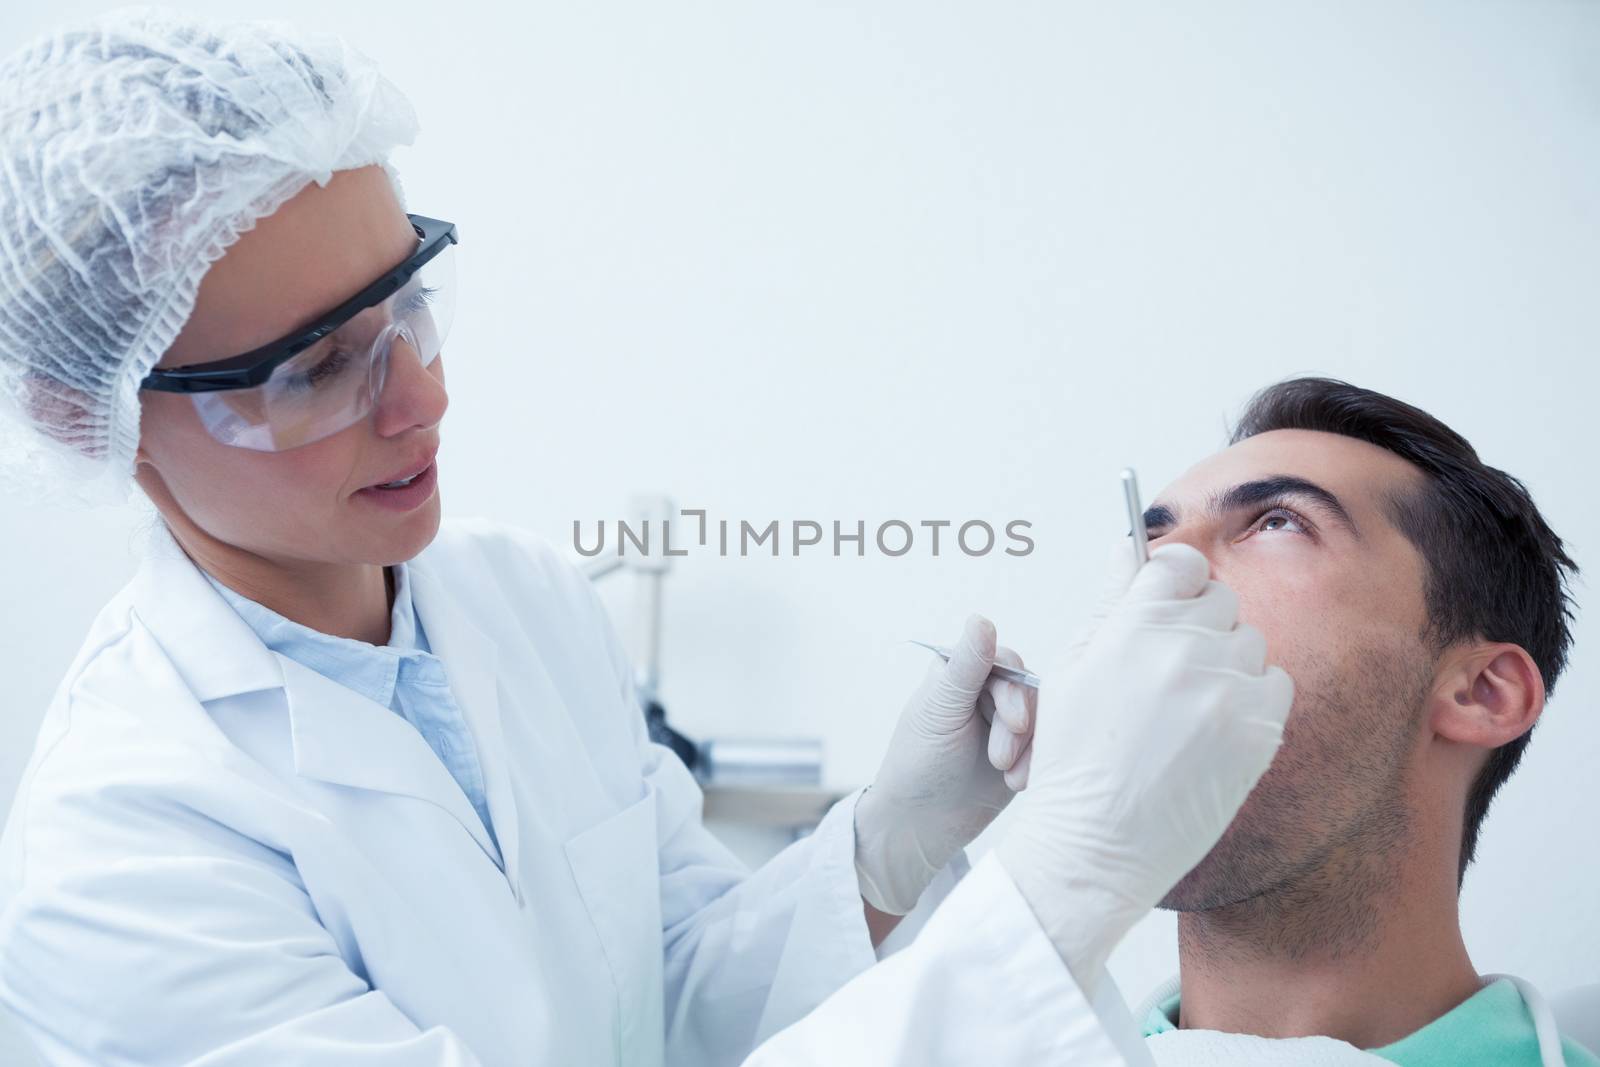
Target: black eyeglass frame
(252, 368)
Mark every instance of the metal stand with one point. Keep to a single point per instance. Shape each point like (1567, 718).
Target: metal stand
(775, 779)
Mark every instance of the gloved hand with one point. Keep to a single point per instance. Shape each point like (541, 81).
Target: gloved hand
(958, 753)
(1151, 734)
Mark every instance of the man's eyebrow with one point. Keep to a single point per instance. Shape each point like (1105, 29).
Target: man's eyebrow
(1262, 490)
(1159, 517)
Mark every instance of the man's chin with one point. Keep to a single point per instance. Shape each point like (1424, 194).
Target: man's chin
(1187, 895)
(1211, 884)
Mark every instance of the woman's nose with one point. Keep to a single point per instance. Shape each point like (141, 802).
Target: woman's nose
(412, 395)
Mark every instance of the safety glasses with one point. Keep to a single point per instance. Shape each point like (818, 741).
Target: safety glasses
(321, 379)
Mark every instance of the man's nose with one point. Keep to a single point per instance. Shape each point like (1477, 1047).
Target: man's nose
(1196, 536)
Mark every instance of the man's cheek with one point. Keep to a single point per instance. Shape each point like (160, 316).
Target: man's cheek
(1284, 588)
(1266, 606)
(1294, 626)
(1285, 644)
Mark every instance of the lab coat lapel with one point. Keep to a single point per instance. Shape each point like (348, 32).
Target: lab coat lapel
(343, 738)
(339, 736)
(214, 651)
(471, 662)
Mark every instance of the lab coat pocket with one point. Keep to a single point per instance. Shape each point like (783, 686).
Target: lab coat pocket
(618, 872)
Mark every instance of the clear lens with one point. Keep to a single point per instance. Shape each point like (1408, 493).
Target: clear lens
(334, 383)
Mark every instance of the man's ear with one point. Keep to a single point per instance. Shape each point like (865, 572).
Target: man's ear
(1487, 695)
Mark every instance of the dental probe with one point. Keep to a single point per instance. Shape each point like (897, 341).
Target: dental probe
(1141, 536)
(1021, 677)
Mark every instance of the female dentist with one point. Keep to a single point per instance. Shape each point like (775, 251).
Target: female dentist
(334, 782)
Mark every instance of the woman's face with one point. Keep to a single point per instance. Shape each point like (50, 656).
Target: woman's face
(305, 504)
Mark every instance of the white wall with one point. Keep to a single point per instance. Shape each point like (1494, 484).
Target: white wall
(845, 261)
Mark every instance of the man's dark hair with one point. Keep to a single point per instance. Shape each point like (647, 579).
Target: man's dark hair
(1495, 569)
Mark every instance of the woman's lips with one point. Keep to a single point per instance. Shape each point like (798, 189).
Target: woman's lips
(407, 497)
(417, 467)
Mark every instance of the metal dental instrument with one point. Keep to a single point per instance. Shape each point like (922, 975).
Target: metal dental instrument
(1141, 536)
(1021, 677)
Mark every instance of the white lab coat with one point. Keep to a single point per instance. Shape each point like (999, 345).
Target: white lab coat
(217, 856)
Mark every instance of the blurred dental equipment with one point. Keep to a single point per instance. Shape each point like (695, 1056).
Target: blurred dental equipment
(1141, 536)
(761, 761)
(745, 765)
(999, 670)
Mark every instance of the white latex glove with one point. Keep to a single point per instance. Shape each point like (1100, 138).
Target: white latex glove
(958, 753)
(1151, 733)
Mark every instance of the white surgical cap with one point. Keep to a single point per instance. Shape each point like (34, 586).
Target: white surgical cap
(134, 149)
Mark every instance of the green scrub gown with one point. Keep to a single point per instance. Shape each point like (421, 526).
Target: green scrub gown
(1490, 1027)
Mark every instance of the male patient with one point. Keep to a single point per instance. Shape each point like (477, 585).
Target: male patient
(1419, 601)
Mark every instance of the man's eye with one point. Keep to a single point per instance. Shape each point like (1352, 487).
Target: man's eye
(1281, 519)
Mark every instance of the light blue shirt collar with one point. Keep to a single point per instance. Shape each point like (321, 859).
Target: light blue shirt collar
(403, 676)
(371, 670)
